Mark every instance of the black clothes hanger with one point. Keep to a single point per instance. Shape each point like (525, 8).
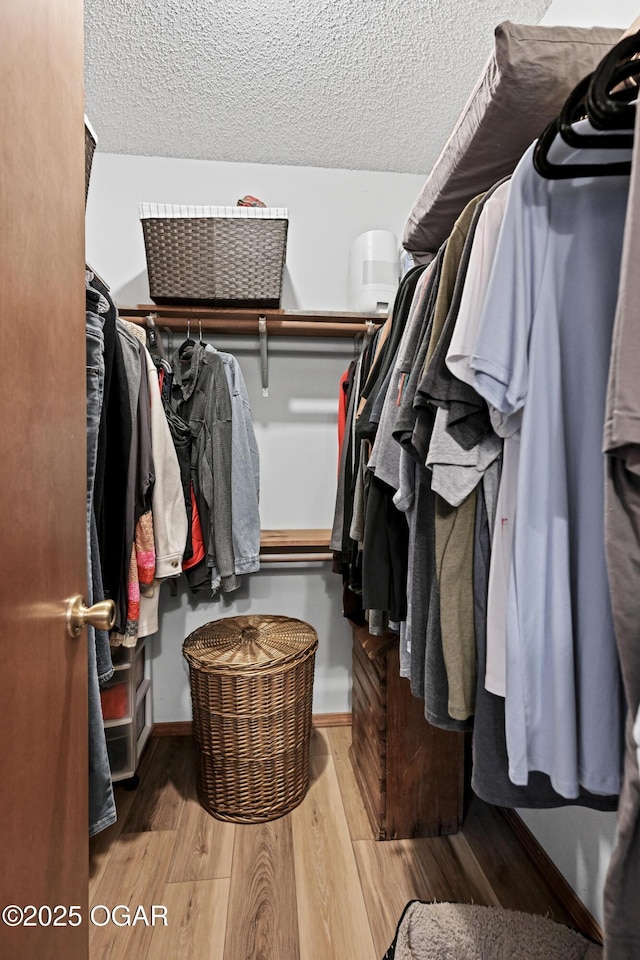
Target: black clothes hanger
(577, 104)
(575, 108)
(571, 171)
(607, 111)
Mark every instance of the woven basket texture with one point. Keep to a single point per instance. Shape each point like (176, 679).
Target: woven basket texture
(89, 150)
(215, 259)
(251, 687)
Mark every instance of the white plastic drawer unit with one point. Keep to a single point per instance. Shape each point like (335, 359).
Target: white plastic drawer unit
(127, 709)
(119, 749)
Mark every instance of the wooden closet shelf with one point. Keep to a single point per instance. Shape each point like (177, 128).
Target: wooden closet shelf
(280, 323)
(315, 540)
(291, 546)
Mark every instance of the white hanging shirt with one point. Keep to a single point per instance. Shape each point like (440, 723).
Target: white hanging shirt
(458, 361)
(476, 282)
(543, 347)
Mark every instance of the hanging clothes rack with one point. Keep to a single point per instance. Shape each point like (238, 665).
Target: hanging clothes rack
(246, 321)
(276, 546)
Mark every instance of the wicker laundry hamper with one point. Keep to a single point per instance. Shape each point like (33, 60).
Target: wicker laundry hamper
(251, 687)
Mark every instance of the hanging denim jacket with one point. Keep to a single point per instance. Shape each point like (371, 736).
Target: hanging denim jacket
(200, 395)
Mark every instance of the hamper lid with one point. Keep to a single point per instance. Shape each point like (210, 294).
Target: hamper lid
(237, 643)
(178, 211)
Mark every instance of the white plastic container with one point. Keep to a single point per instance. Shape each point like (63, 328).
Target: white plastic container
(374, 271)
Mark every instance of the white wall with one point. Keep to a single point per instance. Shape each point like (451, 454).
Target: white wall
(298, 453)
(277, 589)
(591, 13)
(579, 841)
(327, 210)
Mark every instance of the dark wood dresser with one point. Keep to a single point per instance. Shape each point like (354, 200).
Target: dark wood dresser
(410, 773)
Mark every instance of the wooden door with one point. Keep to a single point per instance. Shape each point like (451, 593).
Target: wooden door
(43, 673)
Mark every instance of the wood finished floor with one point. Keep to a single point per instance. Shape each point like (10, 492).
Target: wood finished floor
(313, 885)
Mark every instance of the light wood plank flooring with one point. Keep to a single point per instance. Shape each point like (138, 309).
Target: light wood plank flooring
(313, 885)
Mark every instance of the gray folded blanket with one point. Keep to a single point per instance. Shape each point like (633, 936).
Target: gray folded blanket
(460, 931)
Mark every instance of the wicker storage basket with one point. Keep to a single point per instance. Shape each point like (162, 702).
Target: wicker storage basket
(89, 150)
(251, 687)
(215, 256)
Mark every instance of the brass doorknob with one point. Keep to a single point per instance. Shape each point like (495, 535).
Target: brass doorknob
(101, 615)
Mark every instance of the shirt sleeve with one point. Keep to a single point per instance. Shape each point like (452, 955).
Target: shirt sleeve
(475, 285)
(500, 354)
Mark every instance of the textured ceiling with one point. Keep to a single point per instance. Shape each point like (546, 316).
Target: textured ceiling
(357, 84)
